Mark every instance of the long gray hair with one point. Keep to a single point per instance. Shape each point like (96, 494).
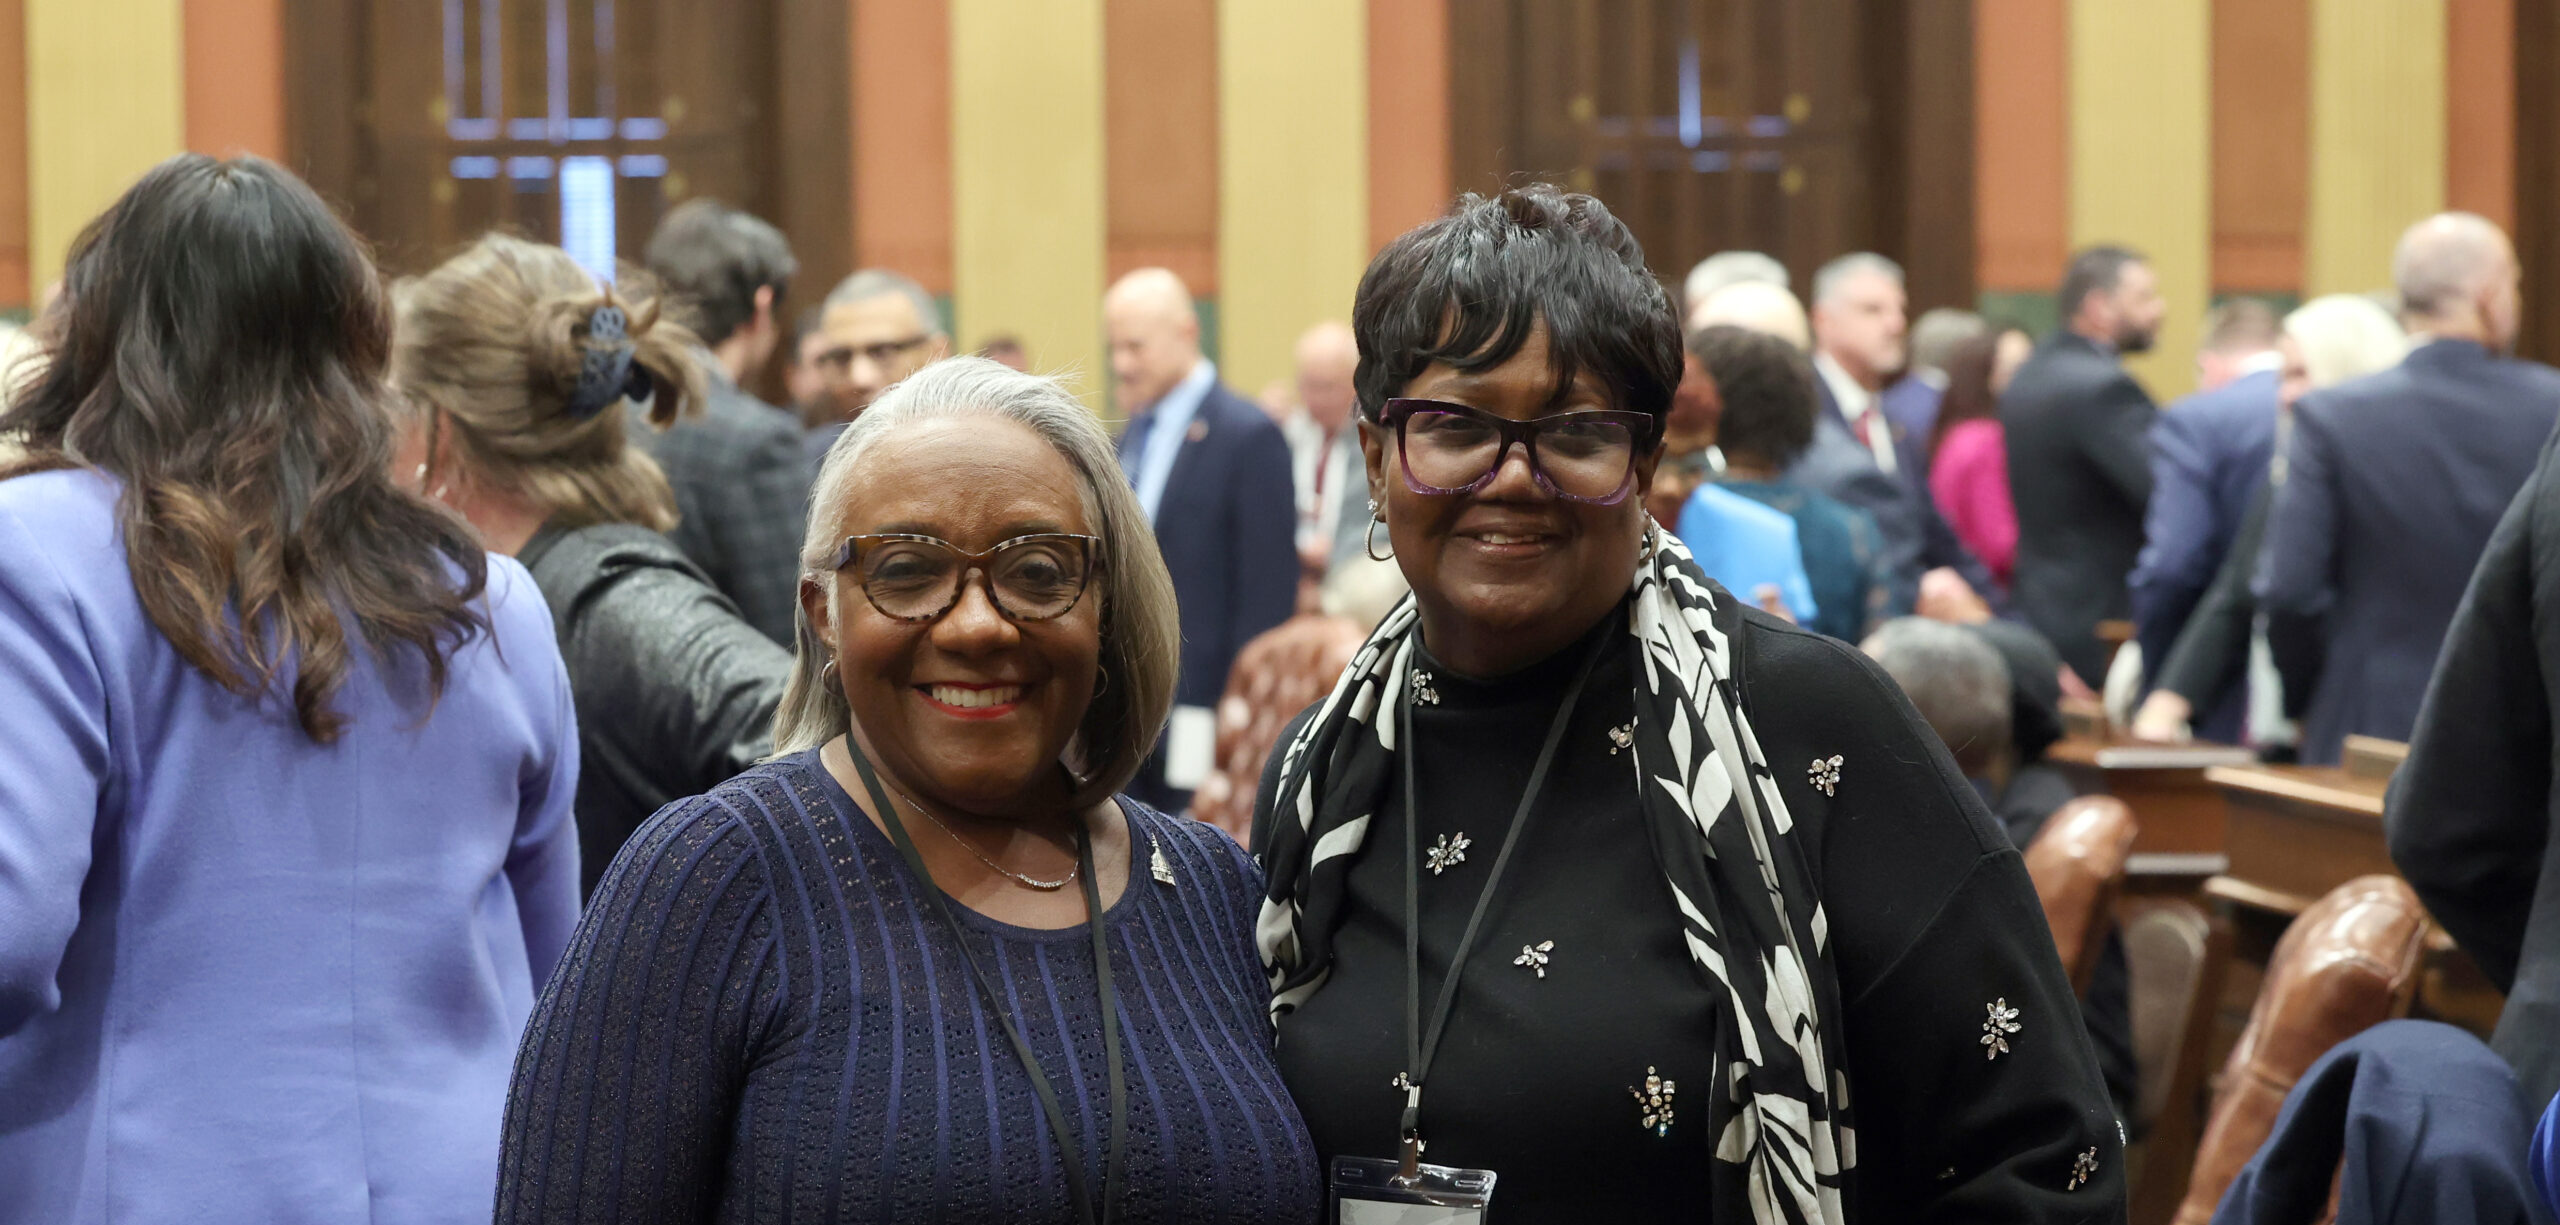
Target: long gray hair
(1141, 633)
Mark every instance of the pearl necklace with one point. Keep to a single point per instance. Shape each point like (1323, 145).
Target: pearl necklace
(1045, 886)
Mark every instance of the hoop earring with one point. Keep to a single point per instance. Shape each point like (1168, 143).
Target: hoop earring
(1101, 682)
(1369, 541)
(1652, 541)
(827, 678)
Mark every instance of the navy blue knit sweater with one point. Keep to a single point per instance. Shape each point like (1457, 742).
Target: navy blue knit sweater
(762, 1018)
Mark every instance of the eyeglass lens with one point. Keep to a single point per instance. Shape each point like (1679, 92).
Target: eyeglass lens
(1031, 580)
(1582, 459)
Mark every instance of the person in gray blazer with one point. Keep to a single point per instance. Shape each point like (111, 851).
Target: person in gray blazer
(740, 483)
(2078, 430)
(2393, 483)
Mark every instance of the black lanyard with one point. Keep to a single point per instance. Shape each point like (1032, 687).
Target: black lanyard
(1115, 1165)
(1421, 1045)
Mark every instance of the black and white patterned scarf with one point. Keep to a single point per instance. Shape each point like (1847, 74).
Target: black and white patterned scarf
(1739, 879)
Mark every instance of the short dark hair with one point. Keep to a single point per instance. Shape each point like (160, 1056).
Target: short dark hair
(713, 258)
(802, 325)
(2242, 325)
(1468, 288)
(2092, 270)
(1766, 386)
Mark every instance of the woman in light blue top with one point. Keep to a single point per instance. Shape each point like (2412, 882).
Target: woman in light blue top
(286, 759)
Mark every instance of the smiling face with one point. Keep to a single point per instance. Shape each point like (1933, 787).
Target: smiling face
(970, 710)
(1511, 573)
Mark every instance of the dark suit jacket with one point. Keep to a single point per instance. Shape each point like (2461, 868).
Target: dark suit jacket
(742, 494)
(2209, 455)
(2080, 475)
(2471, 812)
(2393, 483)
(2412, 1123)
(1911, 404)
(1915, 538)
(1228, 527)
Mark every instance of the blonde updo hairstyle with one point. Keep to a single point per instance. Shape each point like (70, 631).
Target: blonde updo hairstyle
(492, 345)
(1141, 633)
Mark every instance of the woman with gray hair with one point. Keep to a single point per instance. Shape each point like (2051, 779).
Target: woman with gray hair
(926, 962)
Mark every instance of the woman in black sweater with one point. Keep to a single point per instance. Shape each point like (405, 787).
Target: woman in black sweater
(1656, 907)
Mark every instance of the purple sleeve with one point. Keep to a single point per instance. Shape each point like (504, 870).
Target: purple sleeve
(542, 863)
(2545, 1157)
(54, 766)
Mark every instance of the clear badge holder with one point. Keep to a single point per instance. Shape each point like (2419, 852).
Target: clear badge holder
(1370, 1191)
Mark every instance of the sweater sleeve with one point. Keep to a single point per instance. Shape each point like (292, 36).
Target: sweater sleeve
(54, 768)
(1939, 943)
(633, 1066)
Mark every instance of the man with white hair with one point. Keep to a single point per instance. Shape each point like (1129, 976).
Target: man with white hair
(1726, 268)
(1212, 472)
(1324, 452)
(1753, 306)
(2394, 481)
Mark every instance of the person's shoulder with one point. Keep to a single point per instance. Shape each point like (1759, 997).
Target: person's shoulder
(1185, 835)
(55, 499)
(514, 601)
(1223, 408)
(65, 522)
(1748, 513)
(730, 823)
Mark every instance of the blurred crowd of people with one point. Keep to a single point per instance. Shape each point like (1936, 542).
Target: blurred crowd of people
(463, 742)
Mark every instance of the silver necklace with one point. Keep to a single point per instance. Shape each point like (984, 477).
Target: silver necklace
(1045, 886)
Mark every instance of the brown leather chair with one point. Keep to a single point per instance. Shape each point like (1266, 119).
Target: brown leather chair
(2349, 963)
(1276, 675)
(2176, 955)
(2077, 863)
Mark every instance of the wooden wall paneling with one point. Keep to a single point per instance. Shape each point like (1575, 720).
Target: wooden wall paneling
(2480, 108)
(15, 293)
(235, 87)
(810, 165)
(325, 54)
(2261, 144)
(1935, 136)
(2537, 174)
(1293, 194)
(1160, 138)
(902, 139)
(104, 104)
(2022, 144)
(1484, 94)
(2141, 138)
(2377, 136)
(1411, 129)
(1027, 189)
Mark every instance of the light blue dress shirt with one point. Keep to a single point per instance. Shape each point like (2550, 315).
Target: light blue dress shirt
(1168, 422)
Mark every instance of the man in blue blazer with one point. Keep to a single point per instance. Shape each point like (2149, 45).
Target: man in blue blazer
(2394, 482)
(2209, 455)
(1213, 473)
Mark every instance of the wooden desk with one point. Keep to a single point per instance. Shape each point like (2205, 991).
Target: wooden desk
(2165, 785)
(2294, 833)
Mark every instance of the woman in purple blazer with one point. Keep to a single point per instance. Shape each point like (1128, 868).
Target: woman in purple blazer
(286, 760)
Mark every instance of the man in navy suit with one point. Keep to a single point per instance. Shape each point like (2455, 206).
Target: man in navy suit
(2078, 431)
(1911, 403)
(2209, 455)
(2394, 481)
(1213, 473)
(1861, 457)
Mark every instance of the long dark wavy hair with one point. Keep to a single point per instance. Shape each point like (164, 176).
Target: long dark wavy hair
(220, 346)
